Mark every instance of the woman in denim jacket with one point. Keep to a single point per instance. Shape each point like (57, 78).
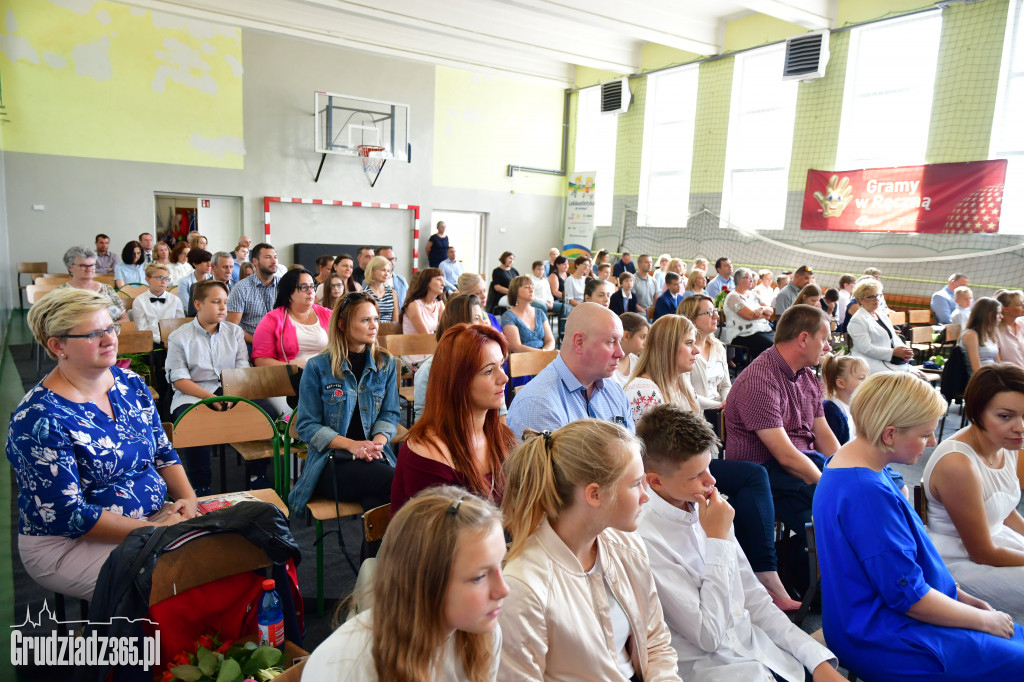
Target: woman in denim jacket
(329, 396)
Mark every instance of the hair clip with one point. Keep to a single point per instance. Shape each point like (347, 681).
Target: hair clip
(453, 508)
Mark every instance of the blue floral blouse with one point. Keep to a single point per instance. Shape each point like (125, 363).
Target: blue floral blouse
(534, 338)
(72, 461)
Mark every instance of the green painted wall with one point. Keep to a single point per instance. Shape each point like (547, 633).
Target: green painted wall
(98, 79)
(482, 124)
(629, 144)
(967, 81)
(819, 108)
(714, 93)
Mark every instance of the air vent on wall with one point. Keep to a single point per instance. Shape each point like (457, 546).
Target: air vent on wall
(615, 96)
(806, 56)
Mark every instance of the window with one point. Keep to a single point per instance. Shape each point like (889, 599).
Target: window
(762, 114)
(668, 148)
(595, 150)
(1007, 133)
(887, 106)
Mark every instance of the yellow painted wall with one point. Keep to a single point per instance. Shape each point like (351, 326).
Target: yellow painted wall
(758, 29)
(116, 82)
(484, 123)
(857, 11)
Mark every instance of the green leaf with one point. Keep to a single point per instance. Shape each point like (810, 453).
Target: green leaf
(230, 671)
(251, 646)
(266, 656)
(187, 673)
(207, 661)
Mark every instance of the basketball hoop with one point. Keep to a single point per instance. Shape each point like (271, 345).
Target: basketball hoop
(373, 158)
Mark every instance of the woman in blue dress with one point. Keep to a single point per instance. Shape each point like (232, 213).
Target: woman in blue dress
(890, 608)
(92, 461)
(525, 328)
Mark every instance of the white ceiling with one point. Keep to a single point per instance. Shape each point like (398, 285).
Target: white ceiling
(543, 39)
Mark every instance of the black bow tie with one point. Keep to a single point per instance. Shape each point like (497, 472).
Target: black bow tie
(154, 299)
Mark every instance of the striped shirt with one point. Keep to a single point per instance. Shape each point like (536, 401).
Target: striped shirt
(253, 299)
(385, 304)
(768, 394)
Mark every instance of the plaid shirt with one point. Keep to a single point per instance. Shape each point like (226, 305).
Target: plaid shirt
(769, 395)
(254, 300)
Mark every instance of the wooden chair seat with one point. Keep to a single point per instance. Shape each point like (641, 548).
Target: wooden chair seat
(51, 280)
(253, 450)
(920, 316)
(324, 509)
(411, 344)
(529, 364)
(32, 269)
(375, 522)
(407, 393)
(34, 292)
(258, 383)
(168, 326)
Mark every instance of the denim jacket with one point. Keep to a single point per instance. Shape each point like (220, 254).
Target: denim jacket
(326, 404)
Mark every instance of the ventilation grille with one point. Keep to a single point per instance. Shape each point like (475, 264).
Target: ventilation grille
(615, 96)
(806, 56)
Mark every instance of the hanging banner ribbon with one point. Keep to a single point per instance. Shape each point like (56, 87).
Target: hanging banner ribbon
(580, 204)
(952, 198)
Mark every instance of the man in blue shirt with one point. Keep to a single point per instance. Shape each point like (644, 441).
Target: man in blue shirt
(670, 300)
(576, 385)
(451, 269)
(724, 280)
(624, 264)
(944, 301)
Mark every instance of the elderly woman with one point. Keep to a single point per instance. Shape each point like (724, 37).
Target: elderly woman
(90, 456)
(891, 610)
(81, 263)
(132, 268)
(1010, 331)
(375, 282)
(746, 320)
(873, 337)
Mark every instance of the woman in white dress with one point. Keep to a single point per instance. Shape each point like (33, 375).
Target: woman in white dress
(746, 320)
(971, 485)
(979, 339)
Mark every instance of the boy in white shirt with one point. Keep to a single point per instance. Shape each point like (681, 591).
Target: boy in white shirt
(964, 298)
(723, 622)
(156, 304)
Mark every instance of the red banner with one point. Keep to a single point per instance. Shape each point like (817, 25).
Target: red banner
(952, 198)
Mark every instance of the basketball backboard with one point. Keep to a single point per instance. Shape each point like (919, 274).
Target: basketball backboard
(344, 122)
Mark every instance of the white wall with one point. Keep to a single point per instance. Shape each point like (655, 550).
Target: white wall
(84, 196)
(220, 222)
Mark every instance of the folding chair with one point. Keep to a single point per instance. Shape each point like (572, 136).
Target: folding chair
(921, 503)
(260, 383)
(33, 269)
(409, 344)
(245, 421)
(920, 316)
(168, 326)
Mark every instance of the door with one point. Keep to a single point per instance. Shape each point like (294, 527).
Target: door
(465, 231)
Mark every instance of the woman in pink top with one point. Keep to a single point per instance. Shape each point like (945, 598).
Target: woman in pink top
(425, 302)
(1010, 332)
(296, 329)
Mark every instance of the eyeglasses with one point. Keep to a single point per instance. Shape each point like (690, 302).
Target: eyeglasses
(712, 313)
(85, 266)
(873, 297)
(337, 286)
(162, 279)
(92, 337)
(305, 287)
(393, 259)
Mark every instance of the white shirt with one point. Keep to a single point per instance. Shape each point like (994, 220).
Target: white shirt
(841, 305)
(723, 622)
(147, 315)
(620, 378)
(542, 291)
(347, 656)
(574, 288)
(960, 317)
(710, 378)
(312, 340)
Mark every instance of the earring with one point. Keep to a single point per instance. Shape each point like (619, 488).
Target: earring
(63, 356)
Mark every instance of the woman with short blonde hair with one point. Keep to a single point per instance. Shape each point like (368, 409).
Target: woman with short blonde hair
(375, 282)
(874, 338)
(885, 574)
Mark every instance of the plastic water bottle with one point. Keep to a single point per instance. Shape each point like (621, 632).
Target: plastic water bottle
(270, 617)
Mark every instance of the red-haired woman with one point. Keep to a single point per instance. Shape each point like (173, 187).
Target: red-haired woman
(459, 440)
